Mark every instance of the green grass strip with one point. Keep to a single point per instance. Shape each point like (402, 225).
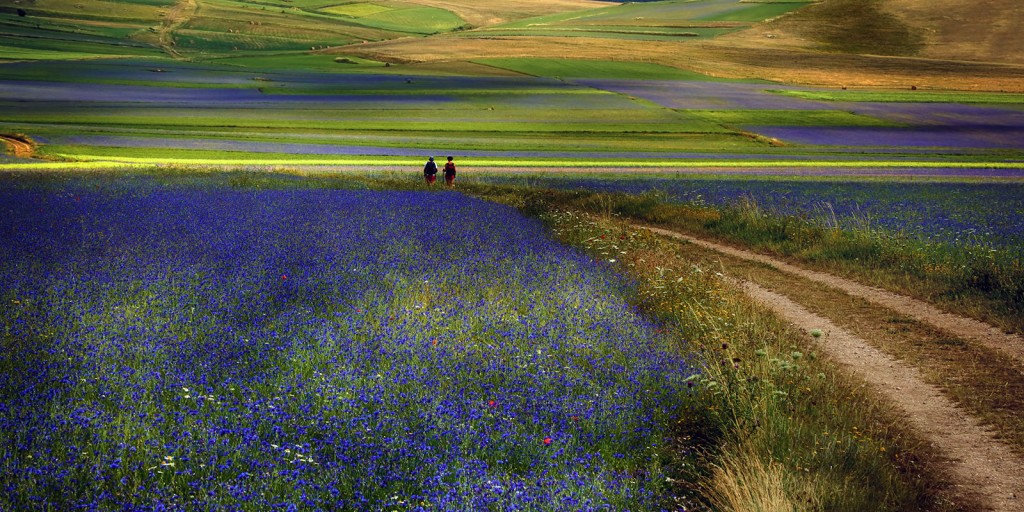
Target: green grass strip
(907, 96)
(610, 165)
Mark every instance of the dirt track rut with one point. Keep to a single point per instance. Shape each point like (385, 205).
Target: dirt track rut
(967, 328)
(20, 148)
(979, 463)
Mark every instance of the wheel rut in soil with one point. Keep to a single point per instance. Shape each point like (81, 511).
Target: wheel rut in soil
(967, 328)
(978, 463)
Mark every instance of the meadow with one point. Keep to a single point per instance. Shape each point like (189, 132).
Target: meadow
(938, 210)
(225, 286)
(949, 240)
(255, 340)
(175, 346)
(647, 21)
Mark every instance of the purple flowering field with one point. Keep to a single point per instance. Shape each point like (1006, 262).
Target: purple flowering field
(180, 348)
(916, 137)
(987, 214)
(131, 108)
(928, 125)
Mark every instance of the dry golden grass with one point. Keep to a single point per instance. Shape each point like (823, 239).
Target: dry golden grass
(986, 30)
(726, 58)
(744, 481)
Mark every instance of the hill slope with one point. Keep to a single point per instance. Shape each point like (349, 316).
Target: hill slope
(982, 31)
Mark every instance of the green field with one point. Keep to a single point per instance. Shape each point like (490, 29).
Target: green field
(908, 96)
(579, 68)
(666, 20)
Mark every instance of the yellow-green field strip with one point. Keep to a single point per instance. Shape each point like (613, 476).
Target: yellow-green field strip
(93, 162)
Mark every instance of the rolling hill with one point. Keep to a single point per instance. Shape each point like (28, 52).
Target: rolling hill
(939, 44)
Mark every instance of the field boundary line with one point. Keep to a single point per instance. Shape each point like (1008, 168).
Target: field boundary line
(970, 329)
(979, 463)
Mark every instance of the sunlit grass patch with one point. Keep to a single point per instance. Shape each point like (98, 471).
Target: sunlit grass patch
(783, 420)
(791, 118)
(357, 10)
(400, 17)
(580, 68)
(906, 96)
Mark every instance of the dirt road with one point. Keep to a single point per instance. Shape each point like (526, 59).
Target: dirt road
(979, 463)
(177, 16)
(968, 328)
(18, 147)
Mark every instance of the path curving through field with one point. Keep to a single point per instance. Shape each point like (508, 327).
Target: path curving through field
(1011, 345)
(978, 462)
(19, 148)
(179, 14)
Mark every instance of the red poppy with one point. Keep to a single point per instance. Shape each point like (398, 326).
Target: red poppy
(547, 441)
(492, 403)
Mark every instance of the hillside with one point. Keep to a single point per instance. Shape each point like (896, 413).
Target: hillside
(940, 44)
(832, 43)
(984, 31)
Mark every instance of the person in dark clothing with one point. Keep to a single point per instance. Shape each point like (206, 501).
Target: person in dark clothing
(430, 171)
(449, 172)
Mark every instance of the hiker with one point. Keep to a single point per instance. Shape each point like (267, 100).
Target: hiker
(430, 171)
(449, 173)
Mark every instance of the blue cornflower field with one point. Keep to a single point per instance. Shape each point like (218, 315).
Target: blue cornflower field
(181, 348)
(953, 213)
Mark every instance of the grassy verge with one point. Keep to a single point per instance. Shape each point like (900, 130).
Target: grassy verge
(982, 283)
(778, 428)
(978, 378)
(994, 98)
(775, 426)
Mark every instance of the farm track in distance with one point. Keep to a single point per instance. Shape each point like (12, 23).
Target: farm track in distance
(978, 462)
(19, 148)
(176, 17)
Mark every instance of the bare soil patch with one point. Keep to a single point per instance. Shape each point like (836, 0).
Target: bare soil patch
(18, 147)
(941, 44)
(982, 31)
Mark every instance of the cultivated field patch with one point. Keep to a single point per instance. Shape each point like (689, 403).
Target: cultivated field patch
(947, 211)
